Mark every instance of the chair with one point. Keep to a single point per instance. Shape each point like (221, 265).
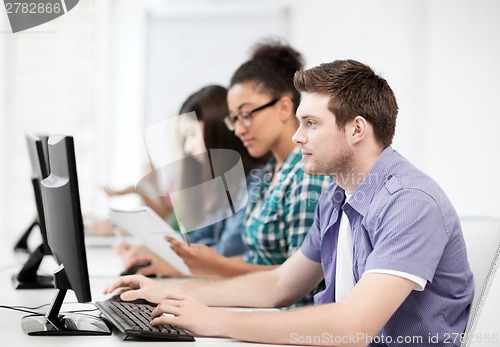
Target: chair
(482, 238)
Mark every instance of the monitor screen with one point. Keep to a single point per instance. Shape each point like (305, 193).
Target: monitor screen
(63, 218)
(39, 156)
(40, 168)
(28, 277)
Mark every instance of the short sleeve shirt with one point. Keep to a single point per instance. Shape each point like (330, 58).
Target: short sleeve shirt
(401, 220)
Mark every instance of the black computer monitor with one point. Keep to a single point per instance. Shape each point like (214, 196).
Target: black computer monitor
(39, 159)
(28, 277)
(63, 219)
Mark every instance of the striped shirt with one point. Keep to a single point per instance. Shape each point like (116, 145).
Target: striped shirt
(279, 215)
(401, 220)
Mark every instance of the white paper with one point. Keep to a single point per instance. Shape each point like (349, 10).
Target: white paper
(151, 230)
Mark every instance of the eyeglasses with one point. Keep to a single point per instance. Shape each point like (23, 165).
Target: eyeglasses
(245, 118)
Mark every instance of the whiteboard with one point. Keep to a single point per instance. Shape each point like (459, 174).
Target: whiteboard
(191, 46)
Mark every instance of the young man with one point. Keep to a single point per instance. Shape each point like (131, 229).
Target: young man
(385, 238)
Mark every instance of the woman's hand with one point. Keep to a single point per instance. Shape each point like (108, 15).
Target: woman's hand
(201, 259)
(101, 227)
(137, 254)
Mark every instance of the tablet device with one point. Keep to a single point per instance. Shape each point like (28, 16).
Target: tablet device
(144, 224)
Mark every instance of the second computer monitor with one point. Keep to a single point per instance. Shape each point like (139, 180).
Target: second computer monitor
(63, 218)
(28, 277)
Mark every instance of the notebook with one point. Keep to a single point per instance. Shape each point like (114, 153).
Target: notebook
(144, 224)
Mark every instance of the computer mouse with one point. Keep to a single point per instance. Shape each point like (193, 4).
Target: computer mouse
(132, 270)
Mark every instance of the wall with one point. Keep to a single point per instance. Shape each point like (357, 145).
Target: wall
(49, 88)
(441, 59)
(387, 35)
(179, 60)
(462, 94)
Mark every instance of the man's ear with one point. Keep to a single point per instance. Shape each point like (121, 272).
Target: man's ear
(357, 129)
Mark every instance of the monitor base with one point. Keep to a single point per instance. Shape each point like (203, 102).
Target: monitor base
(40, 282)
(68, 324)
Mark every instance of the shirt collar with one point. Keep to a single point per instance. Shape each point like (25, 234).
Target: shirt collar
(372, 182)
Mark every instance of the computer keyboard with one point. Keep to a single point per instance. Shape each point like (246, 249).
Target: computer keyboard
(133, 320)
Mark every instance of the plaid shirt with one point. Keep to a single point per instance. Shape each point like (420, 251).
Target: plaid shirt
(278, 216)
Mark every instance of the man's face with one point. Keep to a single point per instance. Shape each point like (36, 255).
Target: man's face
(325, 150)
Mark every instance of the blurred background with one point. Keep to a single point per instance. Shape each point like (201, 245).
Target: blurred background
(110, 68)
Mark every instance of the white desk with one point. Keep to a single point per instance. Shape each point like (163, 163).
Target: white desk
(103, 268)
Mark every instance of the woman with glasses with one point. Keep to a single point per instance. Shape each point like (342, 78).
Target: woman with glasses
(262, 103)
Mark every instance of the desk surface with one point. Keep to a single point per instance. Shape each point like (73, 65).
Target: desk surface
(103, 268)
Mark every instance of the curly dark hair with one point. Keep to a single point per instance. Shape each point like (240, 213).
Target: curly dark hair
(271, 68)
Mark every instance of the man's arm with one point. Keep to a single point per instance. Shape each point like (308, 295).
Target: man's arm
(282, 286)
(279, 287)
(352, 322)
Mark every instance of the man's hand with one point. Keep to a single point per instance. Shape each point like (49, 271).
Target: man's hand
(137, 254)
(201, 259)
(185, 312)
(140, 287)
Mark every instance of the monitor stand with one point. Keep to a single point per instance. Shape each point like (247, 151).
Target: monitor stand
(54, 323)
(28, 278)
(22, 244)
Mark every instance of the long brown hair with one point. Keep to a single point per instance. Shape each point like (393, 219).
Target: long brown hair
(210, 107)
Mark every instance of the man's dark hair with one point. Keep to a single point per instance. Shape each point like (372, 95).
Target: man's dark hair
(354, 90)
